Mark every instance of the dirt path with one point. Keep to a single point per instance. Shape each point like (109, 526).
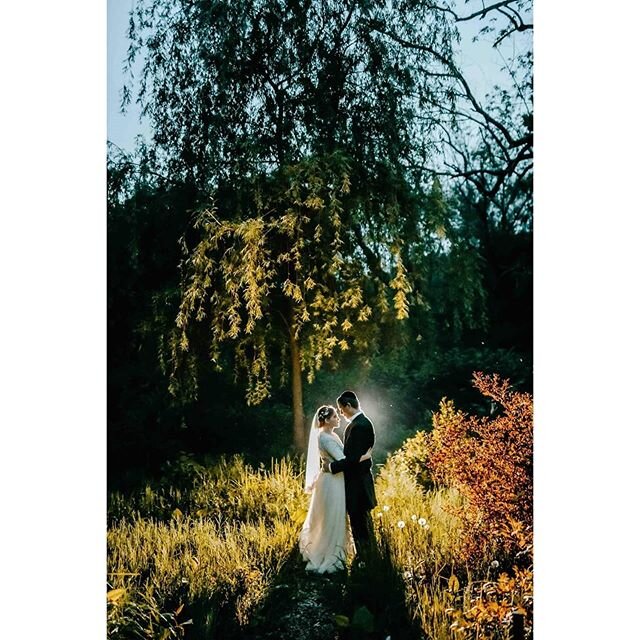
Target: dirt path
(301, 606)
(365, 603)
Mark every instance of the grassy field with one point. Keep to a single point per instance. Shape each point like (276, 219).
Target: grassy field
(211, 551)
(207, 558)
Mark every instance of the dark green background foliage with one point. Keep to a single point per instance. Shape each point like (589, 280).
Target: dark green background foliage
(417, 363)
(238, 93)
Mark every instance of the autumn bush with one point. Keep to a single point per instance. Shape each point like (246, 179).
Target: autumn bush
(488, 459)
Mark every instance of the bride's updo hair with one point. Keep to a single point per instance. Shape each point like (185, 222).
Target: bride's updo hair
(324, 413)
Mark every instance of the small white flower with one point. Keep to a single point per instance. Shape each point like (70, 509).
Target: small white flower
(414, 517)
(422, 522)
(495, 564)
(408, 575)
(400, 524)
(386, 507)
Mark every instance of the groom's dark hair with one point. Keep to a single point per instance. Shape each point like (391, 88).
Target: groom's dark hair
(350, 398)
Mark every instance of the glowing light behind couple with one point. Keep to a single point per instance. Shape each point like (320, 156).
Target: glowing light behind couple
(374, 402)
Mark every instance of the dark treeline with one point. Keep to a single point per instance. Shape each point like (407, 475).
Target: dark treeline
(333, 149)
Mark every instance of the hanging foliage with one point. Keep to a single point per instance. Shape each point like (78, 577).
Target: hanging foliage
(283, 271)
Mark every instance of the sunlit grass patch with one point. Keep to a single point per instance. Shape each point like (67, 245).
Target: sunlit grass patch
(421, 525)
(205, 553)
(227, 490)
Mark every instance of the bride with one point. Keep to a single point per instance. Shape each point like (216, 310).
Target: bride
(325, 540)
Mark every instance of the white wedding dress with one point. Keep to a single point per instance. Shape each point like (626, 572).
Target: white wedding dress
(325, 541)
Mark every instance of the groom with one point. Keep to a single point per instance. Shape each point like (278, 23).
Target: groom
(359, 437)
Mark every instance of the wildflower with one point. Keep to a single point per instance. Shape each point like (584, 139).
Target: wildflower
(414, 517)
(495, 564)
(386, 507)
(408, 575)
(379, 514)
(400, 524)
(422, 522)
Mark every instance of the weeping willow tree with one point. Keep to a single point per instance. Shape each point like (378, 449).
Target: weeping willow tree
(282, 283)
(307, 127)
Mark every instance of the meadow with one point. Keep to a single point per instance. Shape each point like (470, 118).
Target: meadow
(210, 551)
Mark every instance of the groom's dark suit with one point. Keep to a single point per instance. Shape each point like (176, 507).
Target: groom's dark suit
(359, 437)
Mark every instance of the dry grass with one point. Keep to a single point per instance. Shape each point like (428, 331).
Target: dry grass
(228, 536)
(200, 553)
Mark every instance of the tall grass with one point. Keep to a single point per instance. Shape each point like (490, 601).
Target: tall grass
(422, 533)
(424, 537)
(202, 555)
(226, 569)
(229, 489)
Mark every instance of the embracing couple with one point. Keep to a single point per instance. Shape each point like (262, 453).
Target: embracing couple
(340, 481)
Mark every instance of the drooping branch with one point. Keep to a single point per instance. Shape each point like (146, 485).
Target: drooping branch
(517, 22)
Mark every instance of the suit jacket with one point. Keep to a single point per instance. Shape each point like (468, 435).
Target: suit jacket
(359, 437)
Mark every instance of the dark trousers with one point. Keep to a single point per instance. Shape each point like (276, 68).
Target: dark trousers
(362, 530)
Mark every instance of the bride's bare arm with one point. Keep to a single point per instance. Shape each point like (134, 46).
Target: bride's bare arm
(365, 456)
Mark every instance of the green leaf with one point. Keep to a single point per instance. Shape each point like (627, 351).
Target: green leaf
(342, 621)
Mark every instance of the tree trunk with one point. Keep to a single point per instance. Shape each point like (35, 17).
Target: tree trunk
(296, 392)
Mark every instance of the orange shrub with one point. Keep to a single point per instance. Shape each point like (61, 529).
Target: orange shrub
(490, 461)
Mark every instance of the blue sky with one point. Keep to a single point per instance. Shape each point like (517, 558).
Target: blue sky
(121, 129)
(480, 63)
